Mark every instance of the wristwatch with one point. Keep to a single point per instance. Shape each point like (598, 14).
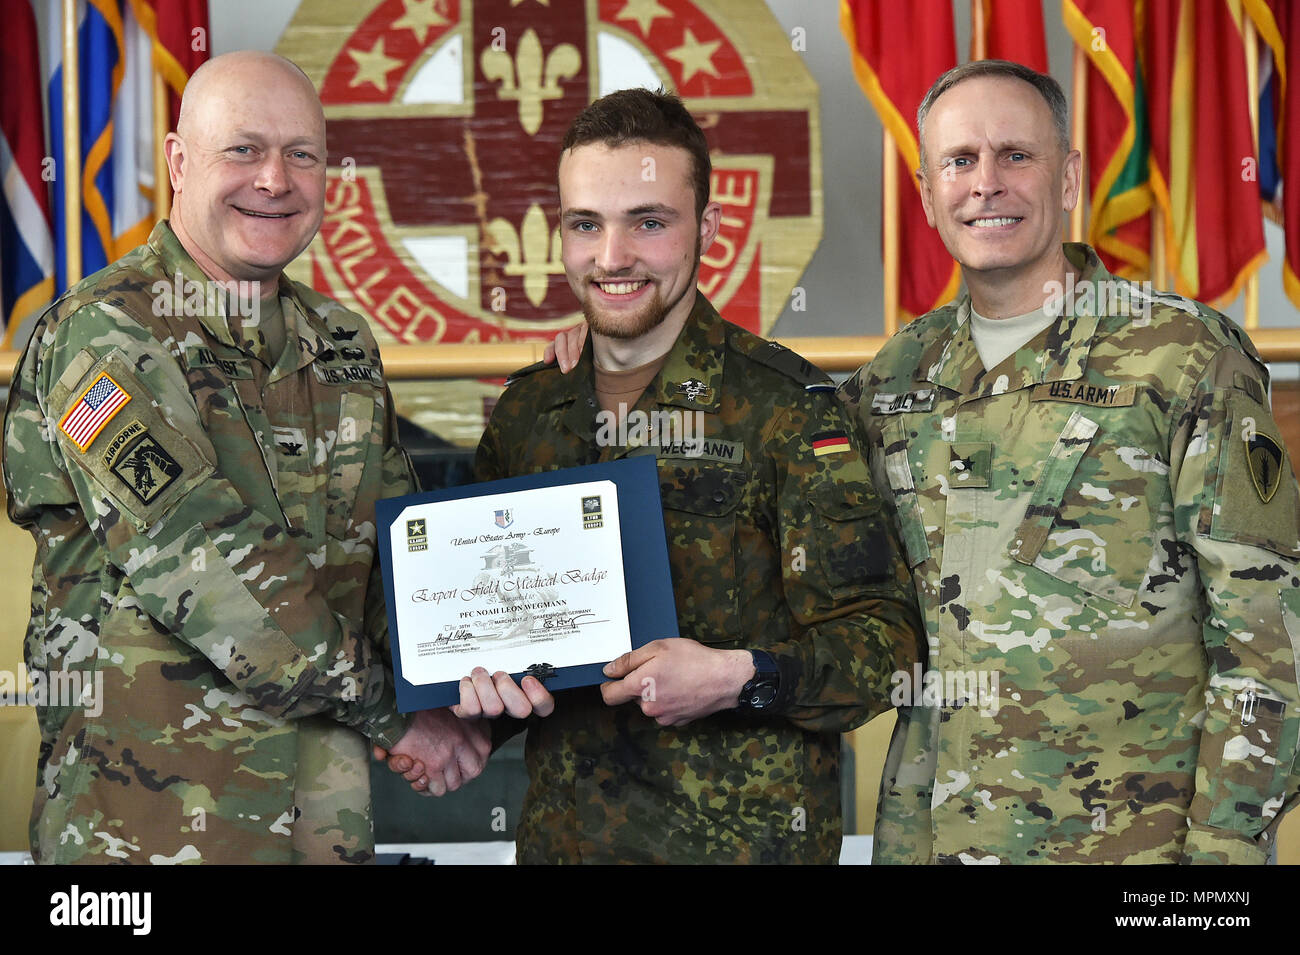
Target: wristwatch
(760, 693)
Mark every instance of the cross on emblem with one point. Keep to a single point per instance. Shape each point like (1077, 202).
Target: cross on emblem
(496, 151)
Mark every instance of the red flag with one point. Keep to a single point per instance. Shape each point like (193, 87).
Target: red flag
(899, 50)
(26, 246)
(1278, 23)
(1119, 224)
(1203, 146)
(1013, 30)
(180, 33)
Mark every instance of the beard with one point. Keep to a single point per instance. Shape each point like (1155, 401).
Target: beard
(649, 317)
(645, 319)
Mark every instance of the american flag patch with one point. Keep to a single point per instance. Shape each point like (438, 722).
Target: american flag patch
(93, 410)
(830, 442)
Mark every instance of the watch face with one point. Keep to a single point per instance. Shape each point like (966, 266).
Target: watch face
(761, 695)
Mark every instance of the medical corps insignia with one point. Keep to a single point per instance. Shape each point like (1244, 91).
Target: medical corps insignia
(445, 119)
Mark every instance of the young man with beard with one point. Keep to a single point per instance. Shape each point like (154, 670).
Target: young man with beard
(794, 607)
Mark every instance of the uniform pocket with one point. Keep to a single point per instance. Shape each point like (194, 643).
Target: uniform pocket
(353, 444)
(700, 506)
(898, 468)
(1088, 522)
(854, 553)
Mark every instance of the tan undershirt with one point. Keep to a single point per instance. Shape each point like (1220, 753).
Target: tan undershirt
(618, 391)
(996, 338)
(272, 325)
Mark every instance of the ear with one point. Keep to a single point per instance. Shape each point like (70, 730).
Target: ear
(710, 222)
(1072, 180)
(927, 199)
(174, 150)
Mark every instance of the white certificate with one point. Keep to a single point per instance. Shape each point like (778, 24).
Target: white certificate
(509, 581)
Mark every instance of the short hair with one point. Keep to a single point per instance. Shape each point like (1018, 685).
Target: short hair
(1047, 87)
(643, 116)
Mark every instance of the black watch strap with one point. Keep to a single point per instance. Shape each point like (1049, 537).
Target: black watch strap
(760, 694)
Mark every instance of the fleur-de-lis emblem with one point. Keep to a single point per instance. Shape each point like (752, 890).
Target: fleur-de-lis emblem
(531, 78)
(533, 252)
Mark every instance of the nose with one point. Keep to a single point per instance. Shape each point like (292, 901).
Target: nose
(272, 175)
(615, 252)
(988, 178)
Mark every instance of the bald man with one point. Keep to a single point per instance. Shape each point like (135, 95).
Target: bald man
(197, 445)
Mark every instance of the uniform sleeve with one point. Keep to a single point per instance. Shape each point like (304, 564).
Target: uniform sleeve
(1237, 507)
(222, 577)
(399, 478)
(851, 598)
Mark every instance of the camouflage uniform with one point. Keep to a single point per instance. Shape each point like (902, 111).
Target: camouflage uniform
(209, 556)
(1082, 522)
(772, 546)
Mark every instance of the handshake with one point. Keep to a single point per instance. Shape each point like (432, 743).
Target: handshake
(446, 748)
(674, 682)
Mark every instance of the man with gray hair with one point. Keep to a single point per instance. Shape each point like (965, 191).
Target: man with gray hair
(1101, 523)
(199, 463)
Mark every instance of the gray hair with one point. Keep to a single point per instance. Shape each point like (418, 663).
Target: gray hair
(1047, 87)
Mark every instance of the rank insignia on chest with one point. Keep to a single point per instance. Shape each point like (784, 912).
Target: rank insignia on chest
(92, 412)
(695, 390)
(1264, 457)
(830, 442)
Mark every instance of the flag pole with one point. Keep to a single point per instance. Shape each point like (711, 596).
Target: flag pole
(978, 28)
(889, 166)
(162, 193)
(71, 145)
(1250, 314)
(1078, 133)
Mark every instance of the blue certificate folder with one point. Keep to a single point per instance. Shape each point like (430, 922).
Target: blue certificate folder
(647, 579)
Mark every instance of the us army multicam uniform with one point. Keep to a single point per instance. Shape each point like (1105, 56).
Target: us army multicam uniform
(207, 553)
(1084, 522)
(772, 546)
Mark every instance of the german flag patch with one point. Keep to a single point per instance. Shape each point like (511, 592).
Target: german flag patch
(830, 442)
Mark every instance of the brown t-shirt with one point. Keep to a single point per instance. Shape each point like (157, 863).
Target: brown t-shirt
(618, 391)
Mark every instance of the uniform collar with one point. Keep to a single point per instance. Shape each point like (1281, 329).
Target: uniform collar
(300, 321)
(691, 377)
(1058, 353)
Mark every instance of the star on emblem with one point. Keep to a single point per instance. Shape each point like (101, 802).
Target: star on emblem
(373, 66)
(420, 17)
(644, 12)
(695, 57)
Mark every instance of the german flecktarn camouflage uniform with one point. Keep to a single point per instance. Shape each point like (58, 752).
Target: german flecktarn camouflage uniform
(205, 542)
(776, 541)
(1104, 532)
